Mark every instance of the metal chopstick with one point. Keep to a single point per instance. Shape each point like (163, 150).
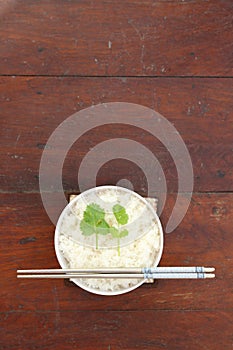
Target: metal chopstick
(195, 275)
(116, 270)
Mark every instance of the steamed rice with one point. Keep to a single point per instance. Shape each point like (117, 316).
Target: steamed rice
(141, 252)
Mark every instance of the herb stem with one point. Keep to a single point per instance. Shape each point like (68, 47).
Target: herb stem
(96, 241)
(118, 246)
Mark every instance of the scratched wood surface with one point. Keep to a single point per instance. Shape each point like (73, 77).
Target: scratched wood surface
(199, 108)
(58, 57)
(60, 310)
(117, 37)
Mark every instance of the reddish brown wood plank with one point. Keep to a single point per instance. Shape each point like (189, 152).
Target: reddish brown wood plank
(123, 38)
(200, 109)
(117, 330)
(203, 238)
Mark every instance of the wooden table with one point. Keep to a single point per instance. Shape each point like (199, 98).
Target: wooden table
(58, 57)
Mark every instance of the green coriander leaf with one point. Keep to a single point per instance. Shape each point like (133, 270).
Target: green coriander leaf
(86, 228)
(124, 233)
(114, 232)
(102, 227)
(117, 233)
(120, 214)
(93, 214)
(93, 221)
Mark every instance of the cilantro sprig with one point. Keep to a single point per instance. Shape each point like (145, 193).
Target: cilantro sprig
(120, 214)
(122, 219)
(94, 222)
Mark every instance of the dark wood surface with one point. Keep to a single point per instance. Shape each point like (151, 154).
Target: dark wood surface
(58, 57)
(120, 38)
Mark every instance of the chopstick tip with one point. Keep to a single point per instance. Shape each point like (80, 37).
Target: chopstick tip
(209, 269)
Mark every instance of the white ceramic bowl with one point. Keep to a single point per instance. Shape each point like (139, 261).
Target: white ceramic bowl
(83, 197)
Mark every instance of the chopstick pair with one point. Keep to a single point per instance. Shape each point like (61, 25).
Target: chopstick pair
(176, 272)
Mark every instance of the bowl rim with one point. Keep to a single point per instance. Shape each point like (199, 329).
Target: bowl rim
(62, 260)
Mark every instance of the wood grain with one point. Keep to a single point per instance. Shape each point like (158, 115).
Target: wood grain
(203, 238)
(123, 38)
(58, 57)
(200, 109)
(118, 330)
